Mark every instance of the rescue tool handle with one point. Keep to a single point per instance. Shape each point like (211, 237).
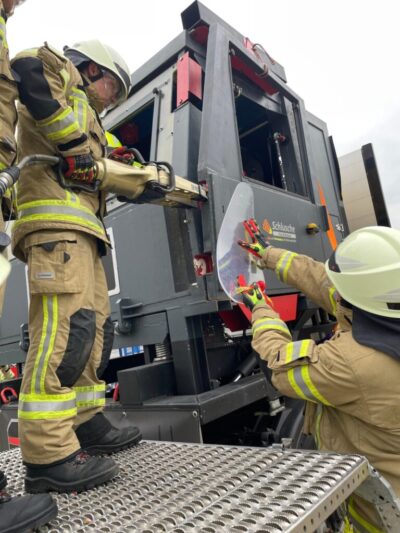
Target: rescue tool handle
(10, 175)
(170, 171)
(138, 156)
(73, 184)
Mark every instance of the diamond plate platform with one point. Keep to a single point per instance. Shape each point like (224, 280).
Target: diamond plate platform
(182, 488)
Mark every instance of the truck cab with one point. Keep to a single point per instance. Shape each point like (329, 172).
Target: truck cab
(218, 109)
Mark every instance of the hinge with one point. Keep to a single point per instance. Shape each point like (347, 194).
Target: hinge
(126, 311)
(24, 337)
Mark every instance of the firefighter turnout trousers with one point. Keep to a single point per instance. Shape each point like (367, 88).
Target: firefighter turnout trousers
(71, 336)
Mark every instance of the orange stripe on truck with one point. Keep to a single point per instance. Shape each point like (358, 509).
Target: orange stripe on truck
(331, 231)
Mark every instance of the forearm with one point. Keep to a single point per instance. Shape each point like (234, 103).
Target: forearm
(271, 340)
(287, 360)
(270, 334)
(303, 273)
(302, 369)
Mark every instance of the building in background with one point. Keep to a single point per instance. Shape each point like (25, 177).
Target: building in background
(362, 193)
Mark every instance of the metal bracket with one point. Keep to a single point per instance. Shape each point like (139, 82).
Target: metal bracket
(324, 217)
(24, 337)
(377, 490)
(126, 311)
(275, 406)
(285, 444)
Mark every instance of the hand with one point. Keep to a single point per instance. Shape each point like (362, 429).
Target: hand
(80, 168)
(123, 155)
(251, 296)
(258, 244)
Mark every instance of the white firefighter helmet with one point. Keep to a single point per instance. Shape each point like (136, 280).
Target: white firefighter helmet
(104, 56)
(365, 270)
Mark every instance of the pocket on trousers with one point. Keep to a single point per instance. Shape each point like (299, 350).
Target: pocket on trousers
(53, 267)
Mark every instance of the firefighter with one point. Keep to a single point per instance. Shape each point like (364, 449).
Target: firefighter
(8, 118)
(350, 382)
(32, 510)
(61, 235)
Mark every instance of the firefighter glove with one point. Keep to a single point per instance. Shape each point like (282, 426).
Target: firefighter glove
(80, 168)
(123, 155)
(251, 295)
(259, 243)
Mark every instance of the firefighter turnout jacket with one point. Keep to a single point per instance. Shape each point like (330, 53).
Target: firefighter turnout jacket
(8, 94)
(55, 118)
(8, 118)
(352, 391)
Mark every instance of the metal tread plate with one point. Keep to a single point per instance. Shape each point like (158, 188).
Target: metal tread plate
(181, 488)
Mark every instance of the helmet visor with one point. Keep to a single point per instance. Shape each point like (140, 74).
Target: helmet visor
(113, 88)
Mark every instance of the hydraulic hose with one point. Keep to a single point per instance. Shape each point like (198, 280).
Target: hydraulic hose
(10, 175)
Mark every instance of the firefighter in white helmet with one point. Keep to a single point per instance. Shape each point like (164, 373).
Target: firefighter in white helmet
(60, 234)
(350, 382)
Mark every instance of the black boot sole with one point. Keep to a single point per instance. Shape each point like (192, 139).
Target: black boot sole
(40, 520)
(3, 482)
(108, 449)
(46, 484)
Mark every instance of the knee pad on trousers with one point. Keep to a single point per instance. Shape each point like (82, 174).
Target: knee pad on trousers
(82, 332)
(108, 339)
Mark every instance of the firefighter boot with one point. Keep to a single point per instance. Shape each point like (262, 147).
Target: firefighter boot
(24, 513)
(78, 473)
(98, 436)
(3, 480)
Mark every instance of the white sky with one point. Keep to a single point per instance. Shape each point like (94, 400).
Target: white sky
(341, 57)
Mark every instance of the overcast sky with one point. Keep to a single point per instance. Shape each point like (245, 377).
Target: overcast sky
(341, 57)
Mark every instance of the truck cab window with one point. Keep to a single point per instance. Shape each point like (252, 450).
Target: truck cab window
(136, 132)
(267, 146)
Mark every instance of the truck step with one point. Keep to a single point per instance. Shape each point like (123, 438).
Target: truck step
(182, 488)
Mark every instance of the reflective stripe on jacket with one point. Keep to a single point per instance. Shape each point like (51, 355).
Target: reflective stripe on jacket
(352, 391)
(59, 211)
(59, 122)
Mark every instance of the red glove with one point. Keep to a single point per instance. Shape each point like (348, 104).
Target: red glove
(80, 168)
(123, 155)
(254, 294)
(259, 241)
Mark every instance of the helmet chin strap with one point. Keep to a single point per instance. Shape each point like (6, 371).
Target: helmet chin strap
(98, 76)
(94, 99)
(88, 80)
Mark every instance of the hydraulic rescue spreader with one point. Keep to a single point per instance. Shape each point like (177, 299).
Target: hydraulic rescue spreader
(145, 182)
